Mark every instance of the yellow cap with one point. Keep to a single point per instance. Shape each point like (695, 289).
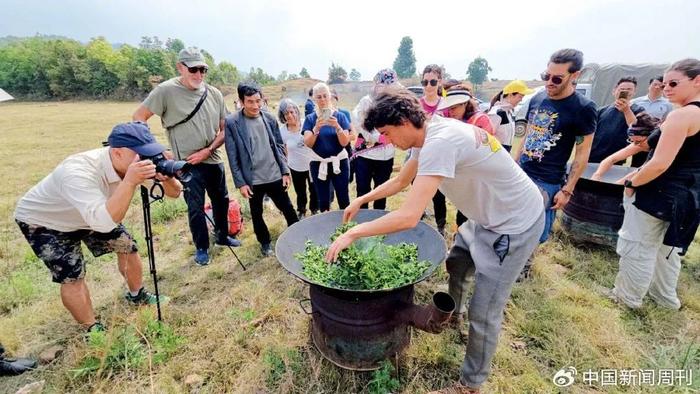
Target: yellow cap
(517, 86)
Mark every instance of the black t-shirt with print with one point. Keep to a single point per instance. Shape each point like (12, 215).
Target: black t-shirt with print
(552, 129)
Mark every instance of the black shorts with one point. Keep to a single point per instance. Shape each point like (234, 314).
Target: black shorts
(61, 251)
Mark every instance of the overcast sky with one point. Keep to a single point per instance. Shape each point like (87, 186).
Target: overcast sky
(516, 37)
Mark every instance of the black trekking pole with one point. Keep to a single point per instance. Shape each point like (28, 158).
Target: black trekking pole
(156, 194)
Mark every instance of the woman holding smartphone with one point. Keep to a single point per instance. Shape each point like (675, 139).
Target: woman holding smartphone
(662, 199)
(326, 132)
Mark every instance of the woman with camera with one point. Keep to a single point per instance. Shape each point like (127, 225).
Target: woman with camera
(326, 132)
(661, 201)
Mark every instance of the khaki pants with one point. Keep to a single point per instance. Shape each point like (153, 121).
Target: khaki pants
(646, 264)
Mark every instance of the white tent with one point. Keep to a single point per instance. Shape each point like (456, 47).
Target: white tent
(4, 96)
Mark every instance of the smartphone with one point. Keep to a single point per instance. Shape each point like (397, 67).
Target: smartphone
(624, 95)
(326, 113)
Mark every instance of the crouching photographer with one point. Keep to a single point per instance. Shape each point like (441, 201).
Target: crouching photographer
(85, 199)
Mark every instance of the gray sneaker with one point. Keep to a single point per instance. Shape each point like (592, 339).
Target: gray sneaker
(145, 298)
(266, 250)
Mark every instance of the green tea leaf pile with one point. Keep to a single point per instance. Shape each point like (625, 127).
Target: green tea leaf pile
(368, 264)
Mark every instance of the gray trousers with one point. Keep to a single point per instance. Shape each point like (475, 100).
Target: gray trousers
(496, 261)
(646, 264)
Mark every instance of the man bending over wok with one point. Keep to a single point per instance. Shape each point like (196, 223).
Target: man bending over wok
(504, 207)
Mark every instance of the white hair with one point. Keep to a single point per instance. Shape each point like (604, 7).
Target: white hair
(319, 87)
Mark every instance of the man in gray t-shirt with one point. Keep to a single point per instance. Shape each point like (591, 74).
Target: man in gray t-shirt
(473, 170)
(195, 136)
(258, 161)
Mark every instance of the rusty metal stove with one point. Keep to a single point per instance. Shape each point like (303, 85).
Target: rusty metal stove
(358, 329)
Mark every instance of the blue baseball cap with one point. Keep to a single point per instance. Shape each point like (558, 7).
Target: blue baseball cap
(135, 136)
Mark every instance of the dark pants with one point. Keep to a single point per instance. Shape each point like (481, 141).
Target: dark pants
(280, 198)
(302, 179)
(368, 171)
(339, 181)
(209, 178)
(440, 208)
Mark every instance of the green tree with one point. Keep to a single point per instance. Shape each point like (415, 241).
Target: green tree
(445, 74)
(478, 71)
(337, 74)
(174, 45)
(355, 75)
(283, 76)
(23, 70)
(44, 67)
(304, 73)
(260, 77)
(405, 63)
(103, 68)
(150, 43)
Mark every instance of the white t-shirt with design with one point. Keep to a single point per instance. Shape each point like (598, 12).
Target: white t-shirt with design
(479, 176)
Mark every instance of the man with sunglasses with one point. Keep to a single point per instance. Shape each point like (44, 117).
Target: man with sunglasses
(559, 119)
(192, 113)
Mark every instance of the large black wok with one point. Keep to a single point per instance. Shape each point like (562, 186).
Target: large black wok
(318, 229)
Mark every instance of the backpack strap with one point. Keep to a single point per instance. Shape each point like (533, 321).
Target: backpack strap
(195, 110)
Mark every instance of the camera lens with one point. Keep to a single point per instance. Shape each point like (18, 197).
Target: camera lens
(179, 169)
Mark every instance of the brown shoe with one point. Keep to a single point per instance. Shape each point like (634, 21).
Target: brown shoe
(456, 389)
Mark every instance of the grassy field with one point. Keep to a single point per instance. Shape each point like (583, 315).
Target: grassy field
(244, 332)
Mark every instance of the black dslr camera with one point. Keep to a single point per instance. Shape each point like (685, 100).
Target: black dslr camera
(179, 169)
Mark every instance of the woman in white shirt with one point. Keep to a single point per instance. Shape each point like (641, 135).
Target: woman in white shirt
(298, 156)
(374, 157)
(501, 112)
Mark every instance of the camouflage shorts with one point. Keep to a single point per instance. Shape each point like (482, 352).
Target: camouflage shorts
(61, 251)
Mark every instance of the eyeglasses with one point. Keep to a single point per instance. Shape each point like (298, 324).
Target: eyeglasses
(556, 79)
(433, 82)
(201, 69)
(671, 84)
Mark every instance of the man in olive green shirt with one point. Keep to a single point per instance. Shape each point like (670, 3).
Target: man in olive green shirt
(195, 140)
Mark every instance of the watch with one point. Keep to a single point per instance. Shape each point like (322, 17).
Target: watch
(628, 184)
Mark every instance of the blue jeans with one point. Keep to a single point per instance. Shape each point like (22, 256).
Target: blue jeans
(339, 181)
(549, 190)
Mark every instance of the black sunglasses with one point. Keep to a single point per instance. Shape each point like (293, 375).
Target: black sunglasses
(556, 79)
(433, 82)
(201, 69)
(672, 83)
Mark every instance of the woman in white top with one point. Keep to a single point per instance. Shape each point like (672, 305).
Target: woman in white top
(374, 157)
(298, 156)
(501, 112)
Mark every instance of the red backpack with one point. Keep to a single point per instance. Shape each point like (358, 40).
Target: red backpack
(235, 217)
